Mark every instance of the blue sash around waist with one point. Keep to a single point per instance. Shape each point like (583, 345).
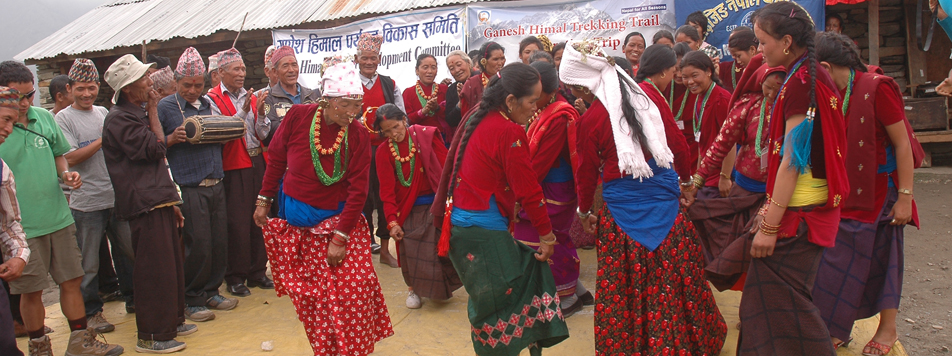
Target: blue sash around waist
(645, 209)
(301, 214)
(560, 174)
(489, 219)
(424, 200)
(890, 165)
(749, 184)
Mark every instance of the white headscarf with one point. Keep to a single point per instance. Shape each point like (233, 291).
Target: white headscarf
(594, 71)
(342, 80)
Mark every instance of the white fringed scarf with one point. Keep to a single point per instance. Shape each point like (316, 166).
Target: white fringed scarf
(594, 72)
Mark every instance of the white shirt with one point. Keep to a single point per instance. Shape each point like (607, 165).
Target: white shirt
(251, 141)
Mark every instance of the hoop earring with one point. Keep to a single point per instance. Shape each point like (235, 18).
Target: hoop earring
(786, 51)
(662, 75)
(586, 91)
(482, 62)
(323, 104)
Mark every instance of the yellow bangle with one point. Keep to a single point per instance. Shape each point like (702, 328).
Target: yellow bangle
(725, 175)
(548, 242)
(775, 202)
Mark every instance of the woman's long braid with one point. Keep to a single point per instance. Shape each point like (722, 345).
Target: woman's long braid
(630, 115)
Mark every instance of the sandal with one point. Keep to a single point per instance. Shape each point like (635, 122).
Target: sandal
(842, 343)
(876, 349)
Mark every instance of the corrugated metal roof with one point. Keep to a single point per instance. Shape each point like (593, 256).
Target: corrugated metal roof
(129, 22)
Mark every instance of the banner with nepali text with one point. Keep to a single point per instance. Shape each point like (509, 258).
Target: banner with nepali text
(610, 21)
(406, 35)
(723, 16)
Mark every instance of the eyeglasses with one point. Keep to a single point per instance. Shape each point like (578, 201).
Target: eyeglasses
(28, 95)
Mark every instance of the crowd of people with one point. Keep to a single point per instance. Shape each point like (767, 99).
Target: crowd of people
(683, 171)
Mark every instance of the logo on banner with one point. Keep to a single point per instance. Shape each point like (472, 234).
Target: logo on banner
(484, 17)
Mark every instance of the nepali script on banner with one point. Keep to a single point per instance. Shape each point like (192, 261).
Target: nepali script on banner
(610, 21)
(406, 35)
(723, 16)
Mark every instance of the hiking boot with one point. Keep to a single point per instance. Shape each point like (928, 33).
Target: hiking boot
(99, 323)
(199, 314)
(159, 347)
(219, 302)
(186, 329)
(85, 343)
(41, 346)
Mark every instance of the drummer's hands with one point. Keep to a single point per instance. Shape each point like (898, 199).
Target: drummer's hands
(261, 216)
(545, 251)
(177, 136)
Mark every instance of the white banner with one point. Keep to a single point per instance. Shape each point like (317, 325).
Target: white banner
(406, 35)
(610, 21)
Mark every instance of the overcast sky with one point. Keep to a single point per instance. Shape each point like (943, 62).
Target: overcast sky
(26, 22)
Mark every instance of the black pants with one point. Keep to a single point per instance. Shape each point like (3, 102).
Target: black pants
(247, 258)
(8, 342)
(158, 275)
(374, 203)
(206, 242)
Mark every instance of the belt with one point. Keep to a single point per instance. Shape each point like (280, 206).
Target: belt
(209, 182)
(253, 152)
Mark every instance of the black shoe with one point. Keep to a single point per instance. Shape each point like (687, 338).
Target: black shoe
(239, 290)
(131, 307)
(587, 299)
(374, 248)
(263, 283)
(575, 307)
(111, 296)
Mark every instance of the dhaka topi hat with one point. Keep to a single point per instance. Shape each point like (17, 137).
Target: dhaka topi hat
(190, 64)
(228, 56)
(267, 57)
(369, 42)
(342, 80)
(124, 71)
(213, 62)
(9, 98)
(162, 78)
(83, 70)
(280, 53)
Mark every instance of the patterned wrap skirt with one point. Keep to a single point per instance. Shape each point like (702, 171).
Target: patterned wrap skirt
(513, 304)
(654, 303)
(862, 275)
(723, 228)
(777, 314)
(428, 275)
(342, 307)
(561, 204)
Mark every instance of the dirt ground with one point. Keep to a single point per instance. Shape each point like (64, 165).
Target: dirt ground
(925, 317)
(925, 313)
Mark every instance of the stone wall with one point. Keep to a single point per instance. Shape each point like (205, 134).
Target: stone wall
(892, 35)
(252, 52)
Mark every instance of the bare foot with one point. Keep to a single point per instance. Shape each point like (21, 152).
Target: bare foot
(388, 259)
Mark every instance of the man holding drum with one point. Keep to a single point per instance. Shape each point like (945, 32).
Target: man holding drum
(197, 169)
(244, 167)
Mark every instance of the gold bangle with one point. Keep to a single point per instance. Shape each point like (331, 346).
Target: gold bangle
(392, 224)
(725, 175)
(263, 203)
(548, 242)
(698, 181)
(905, 191)
(775, 202)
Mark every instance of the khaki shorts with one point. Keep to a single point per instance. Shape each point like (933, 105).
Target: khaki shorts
(57, 255)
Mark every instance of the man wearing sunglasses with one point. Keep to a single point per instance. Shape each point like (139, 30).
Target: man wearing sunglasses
(35, 153)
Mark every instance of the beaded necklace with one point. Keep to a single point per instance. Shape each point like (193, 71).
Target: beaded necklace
(759, 151)
(849, 91)
(317, 150)
(698, 118)
(399, 161)
(434, 90)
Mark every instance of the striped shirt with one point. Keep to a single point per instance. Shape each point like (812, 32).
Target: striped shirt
(12, 238)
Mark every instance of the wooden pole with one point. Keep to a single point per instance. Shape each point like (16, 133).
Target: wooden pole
(145, 52)
(874, 32)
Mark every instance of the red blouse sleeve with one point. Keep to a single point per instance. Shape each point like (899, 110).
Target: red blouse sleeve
(358, 177)
(589, 161)
(439, 148)
(731, 132)
(889, 106)
(514, 152)
(386, 173)
(412, 105)
(278, 151)
(550, 147)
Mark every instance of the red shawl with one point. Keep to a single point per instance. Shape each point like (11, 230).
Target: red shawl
(546, 117)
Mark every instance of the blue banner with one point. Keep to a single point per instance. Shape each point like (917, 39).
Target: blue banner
(725, 15)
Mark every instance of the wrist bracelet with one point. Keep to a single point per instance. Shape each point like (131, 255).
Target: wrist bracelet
(689, 183)
(335, 241)
(342, 235)
(698, 181)
(548, 242)
(392, 225)
(582, 215)
(774, 202)
(905, 191)
(262, 197)
(262, 203)
(725, 175)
